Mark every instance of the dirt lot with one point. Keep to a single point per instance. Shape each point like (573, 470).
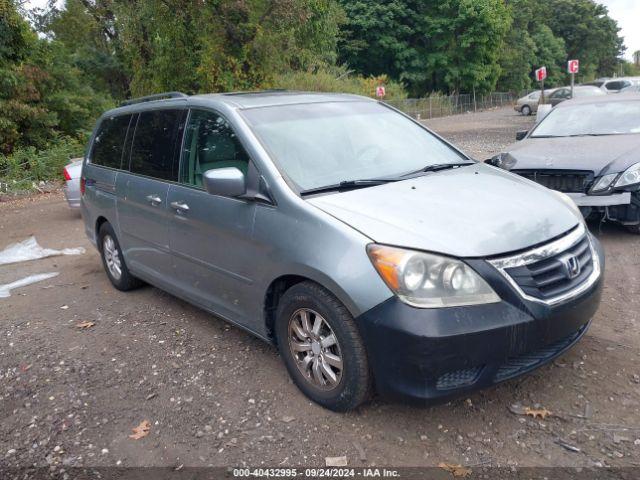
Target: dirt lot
(214, 395)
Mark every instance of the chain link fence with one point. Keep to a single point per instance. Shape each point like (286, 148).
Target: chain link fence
(437, 105)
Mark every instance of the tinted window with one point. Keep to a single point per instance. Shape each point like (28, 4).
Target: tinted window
(153, 148)
(109, 142)
(210, 143)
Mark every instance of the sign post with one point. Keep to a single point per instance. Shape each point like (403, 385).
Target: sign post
(541, 74)
(573, 66)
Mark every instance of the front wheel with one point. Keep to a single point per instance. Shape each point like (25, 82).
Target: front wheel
(526, 110)
(322, 348)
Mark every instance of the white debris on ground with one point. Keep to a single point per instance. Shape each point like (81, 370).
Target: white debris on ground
(5, 290)
(29, 249)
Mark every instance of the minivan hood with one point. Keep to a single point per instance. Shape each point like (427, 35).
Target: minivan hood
(601, 155)
(474, 211)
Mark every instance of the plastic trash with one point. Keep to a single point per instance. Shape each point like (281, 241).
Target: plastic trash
(5, 290)
(30, 250)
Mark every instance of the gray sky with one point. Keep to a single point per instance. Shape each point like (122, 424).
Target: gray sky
(625, 12)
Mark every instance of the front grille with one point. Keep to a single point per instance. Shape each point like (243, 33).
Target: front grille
(458, 378)
(568, 181)
(554, 275)
(517, 365)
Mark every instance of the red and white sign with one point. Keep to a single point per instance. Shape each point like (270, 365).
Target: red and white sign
(541, 74)
(380, 91)
(573, 66)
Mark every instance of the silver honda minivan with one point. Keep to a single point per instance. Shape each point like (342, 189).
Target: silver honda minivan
(374, 254)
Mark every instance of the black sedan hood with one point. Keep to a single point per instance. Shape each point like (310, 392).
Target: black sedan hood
(602, 155)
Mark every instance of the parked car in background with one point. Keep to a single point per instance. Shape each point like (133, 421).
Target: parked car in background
(616, 85)
(589, 149)
(368, 249)
(598, 82)
(72, 172)
(580, 91)
(529, 103)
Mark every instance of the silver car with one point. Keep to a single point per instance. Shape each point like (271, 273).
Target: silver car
(367, 248)
(72, 172)
(529, 103)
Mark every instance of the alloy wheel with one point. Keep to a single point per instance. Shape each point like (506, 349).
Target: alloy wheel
(315, 348)
(112, 257)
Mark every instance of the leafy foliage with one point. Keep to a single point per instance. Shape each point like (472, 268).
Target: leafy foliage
(431, 45)
(43, 96)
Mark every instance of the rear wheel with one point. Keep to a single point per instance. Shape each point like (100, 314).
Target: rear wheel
(322, 348)
(113, 260)
(526, 110)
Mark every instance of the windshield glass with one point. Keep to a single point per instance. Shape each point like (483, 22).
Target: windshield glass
(322, 144)
(591, 119)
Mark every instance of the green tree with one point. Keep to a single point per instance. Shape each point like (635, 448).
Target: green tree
(43, 96)
(89, 34)
(449, 45)
(589, 34)
(550, 52)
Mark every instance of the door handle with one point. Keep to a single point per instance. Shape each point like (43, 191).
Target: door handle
(180, 206)
(154, 199)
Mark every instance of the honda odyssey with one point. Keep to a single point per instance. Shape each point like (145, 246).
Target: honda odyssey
(373, 253)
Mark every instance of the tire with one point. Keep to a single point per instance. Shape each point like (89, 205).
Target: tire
(352, 384)
(111, 253)
(526, 110)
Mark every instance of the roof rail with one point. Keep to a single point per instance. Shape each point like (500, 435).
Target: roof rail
(258, 92)
(151, 98)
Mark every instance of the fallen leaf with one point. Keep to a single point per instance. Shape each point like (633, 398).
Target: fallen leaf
(141, 430)
(537, 412)
(335, 461)
(85, 325)
(455, 470)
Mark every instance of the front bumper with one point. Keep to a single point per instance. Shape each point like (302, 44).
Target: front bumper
(583, 200)
(428, 354)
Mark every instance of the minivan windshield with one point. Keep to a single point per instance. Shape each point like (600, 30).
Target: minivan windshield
(602, 118)
(321, 144)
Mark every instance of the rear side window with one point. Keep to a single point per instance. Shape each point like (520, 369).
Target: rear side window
(154, 143)
(109, 141)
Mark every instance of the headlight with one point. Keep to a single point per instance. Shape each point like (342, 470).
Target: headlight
(504, 161)
(604, 182)
(425, 280)
(630, 176)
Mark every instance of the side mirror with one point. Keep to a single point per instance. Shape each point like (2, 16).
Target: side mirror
(225, 182)
(521, 134)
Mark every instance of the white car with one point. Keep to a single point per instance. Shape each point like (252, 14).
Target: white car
(616, 85)
(71, 189)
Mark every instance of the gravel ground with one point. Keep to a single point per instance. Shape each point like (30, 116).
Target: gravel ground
(214, 395)
(481, 135)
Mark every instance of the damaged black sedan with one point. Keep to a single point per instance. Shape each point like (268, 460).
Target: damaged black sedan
(589, 149)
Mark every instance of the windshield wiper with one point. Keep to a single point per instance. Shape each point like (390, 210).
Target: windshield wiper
(349, 185)
(436, 167)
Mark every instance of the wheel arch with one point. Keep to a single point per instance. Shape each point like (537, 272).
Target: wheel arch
(101, 220)
(282, 283)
